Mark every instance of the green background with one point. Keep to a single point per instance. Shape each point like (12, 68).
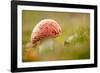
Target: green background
(76, 25)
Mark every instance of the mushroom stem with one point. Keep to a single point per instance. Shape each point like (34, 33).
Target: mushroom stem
(46, 47)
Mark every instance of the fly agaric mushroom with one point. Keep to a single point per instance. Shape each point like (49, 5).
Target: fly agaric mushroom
(44, 32)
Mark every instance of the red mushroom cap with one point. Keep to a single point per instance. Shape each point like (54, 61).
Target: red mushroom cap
(44, 29)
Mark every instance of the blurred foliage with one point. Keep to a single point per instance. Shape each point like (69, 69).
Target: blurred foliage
(73, 44)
